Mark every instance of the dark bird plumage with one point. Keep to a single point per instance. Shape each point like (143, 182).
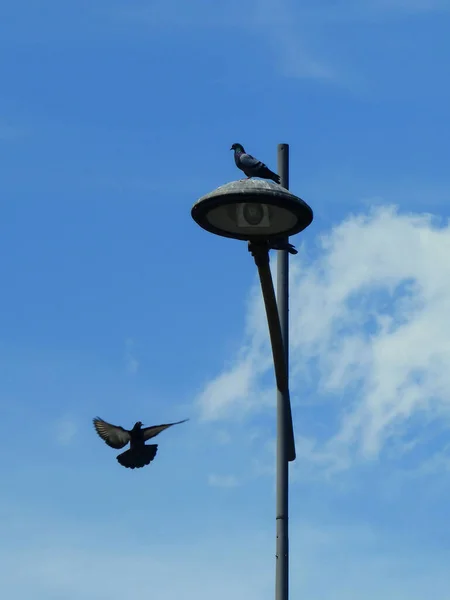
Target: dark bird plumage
(252, 167)
(139, 453)
(283, 244)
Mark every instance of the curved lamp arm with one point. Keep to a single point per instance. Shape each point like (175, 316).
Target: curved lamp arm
(260, 252)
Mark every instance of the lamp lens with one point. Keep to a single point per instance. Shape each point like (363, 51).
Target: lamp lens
(253, 213)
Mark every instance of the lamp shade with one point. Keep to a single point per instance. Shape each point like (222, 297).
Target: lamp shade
(252, 209)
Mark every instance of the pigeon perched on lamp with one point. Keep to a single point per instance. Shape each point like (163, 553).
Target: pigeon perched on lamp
(252, 167)
(139, 454)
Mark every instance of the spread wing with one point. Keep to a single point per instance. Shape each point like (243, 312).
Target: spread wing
(150, 432)
(115, 436)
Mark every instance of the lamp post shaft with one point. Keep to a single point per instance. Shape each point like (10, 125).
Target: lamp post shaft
(284, 418)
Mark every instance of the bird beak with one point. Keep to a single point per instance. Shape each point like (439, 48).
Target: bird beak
(231, 148)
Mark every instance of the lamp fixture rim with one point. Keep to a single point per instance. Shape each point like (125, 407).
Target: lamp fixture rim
(280, 197)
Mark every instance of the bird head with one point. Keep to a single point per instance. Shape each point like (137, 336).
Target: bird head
(138, 425)
(238, 147)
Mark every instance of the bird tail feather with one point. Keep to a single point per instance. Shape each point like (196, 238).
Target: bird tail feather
(266, 173)
(275, 177)
(138, 457)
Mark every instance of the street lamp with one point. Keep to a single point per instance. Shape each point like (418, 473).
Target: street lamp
(253, 210)
(265, 214)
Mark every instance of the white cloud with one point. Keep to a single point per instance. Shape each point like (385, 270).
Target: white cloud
(131, 362)
(230, 389)
(370, 336)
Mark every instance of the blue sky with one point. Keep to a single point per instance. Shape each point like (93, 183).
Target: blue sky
(115, 117)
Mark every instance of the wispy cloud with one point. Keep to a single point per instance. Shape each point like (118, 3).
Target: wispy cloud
(299, 35)
(223, 481)
(65, 430)
(369, 338)
(370, 10)
(402, 6)
(223, 437)
(231, 389)
(131, 362)
(327, 561)
(278, 24)
(76, 563)
(281, 23)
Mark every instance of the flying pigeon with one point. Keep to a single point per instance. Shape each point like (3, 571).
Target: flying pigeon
(282, 244)
(252, 167)
(139, 453)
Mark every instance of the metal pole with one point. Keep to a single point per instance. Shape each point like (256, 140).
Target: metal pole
(284, 417)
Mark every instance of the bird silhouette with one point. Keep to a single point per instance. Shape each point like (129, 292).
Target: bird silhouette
(251, 166)
(139, 453)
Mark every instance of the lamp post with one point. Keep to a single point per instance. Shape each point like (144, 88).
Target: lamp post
(265, 214)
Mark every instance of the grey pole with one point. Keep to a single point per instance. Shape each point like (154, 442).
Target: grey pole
(285, 433)
(212, 212)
